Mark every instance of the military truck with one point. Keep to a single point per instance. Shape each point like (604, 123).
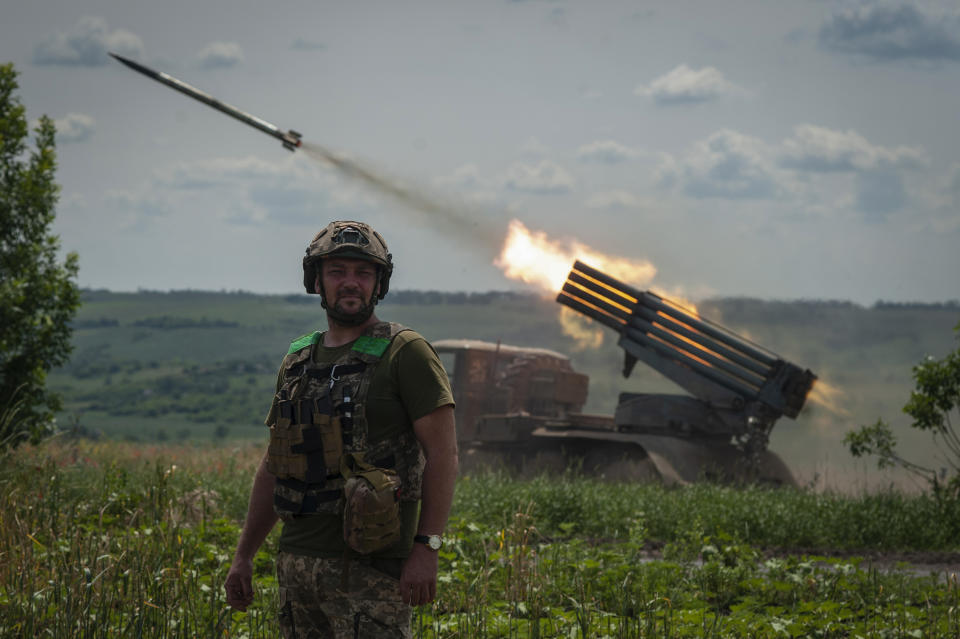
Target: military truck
(519, 408)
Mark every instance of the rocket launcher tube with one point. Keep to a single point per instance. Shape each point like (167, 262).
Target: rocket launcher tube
(598, 293)
(720, 349)
(290, 139)
(603, 278)
(706, 371)
(680, 344)
(642, 330)
(718, 333)
(591, 311)
(633, 338)
(655, 301)
(684, 348)
(576, 290)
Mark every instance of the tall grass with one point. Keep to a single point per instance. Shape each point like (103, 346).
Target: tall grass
(113, 540)
(768, 517)
(110, 540)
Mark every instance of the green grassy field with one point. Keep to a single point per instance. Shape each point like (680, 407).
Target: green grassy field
(200, 366)
(116, 539)
(126, 529)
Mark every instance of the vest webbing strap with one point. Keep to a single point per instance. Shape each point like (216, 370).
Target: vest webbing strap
(310, 503)
(312, 500)
(302, 486)
(341, 369)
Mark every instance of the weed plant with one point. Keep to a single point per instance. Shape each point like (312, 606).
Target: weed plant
(112, 540)
(775, 518)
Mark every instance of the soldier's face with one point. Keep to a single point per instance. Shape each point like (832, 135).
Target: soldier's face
(348, 284)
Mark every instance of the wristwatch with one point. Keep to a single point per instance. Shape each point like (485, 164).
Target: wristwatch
(433, 542)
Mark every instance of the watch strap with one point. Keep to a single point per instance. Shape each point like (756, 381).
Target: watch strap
(427, 539)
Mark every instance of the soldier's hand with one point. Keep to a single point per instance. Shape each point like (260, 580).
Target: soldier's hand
(418, 581)
(239, 584)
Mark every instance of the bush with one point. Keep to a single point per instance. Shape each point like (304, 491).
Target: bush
(935, 397)
(38, 294)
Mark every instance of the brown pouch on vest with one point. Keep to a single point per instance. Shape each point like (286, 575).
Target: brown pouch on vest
(281, 461)
(371, 512)
(331, 438)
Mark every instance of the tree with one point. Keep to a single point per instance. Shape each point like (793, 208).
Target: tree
(933, 400)
(38, 293)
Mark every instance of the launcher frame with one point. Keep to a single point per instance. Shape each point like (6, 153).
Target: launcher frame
(739, 388)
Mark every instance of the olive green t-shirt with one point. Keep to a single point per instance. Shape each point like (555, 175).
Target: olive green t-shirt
(409, 383)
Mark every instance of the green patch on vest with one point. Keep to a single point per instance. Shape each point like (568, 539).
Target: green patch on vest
(302, 342)
(371, 345)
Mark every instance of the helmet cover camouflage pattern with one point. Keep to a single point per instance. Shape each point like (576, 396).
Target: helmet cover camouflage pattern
(349, 239)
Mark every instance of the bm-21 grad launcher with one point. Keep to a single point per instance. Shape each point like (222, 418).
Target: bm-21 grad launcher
(739, 389)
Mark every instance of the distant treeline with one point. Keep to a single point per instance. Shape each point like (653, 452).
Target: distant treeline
(951, 305)
(164, 322)
(416, 297)
(160, 362)
(100, 322)
(753, 302)
(101, 294)
(167, 322)
(432, 298)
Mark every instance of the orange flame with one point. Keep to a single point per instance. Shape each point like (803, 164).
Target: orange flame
(532, 257)
(828, 396)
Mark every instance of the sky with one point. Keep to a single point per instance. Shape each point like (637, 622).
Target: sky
(779, 150)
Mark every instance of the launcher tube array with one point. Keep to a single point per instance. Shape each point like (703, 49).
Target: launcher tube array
(673, 333)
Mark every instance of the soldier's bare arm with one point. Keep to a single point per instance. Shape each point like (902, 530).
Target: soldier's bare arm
(260, 521)
(437, 434)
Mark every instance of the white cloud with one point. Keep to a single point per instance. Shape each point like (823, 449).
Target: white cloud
(466, 176)
(893, 31)
(684, 85)
(545, 178)
(74, 127)
(612, 200)
(877, 187)
(86, 43)
(220, 55)
(605, 152)
(817, 168)
(221, 172)
(728, 164)
(818, 149)
(468, 185)
(133, 203)
(249, 190)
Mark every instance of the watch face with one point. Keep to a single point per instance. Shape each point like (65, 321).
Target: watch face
(434, 542)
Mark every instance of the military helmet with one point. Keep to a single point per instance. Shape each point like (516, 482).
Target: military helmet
(348, 239)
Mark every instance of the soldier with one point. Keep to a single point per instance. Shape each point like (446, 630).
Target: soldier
(361, 462)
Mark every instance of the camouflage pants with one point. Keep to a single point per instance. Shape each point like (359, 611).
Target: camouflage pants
(313, 604)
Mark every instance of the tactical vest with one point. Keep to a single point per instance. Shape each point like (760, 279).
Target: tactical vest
(318, 423)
